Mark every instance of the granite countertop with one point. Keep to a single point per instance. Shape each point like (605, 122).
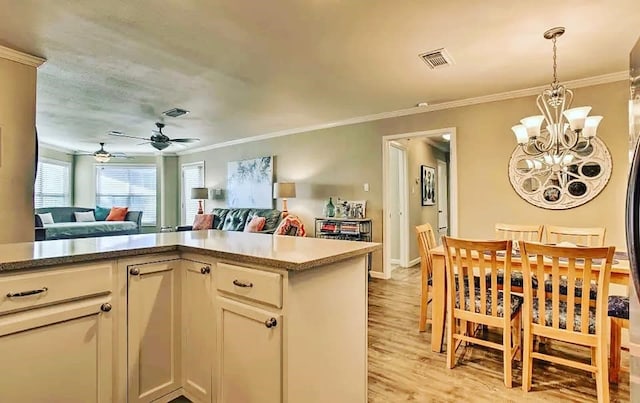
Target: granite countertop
(282, 252)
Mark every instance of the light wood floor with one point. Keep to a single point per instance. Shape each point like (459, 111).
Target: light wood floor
(402, 367)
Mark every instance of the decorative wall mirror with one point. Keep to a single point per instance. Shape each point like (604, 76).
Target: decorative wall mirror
(569, 182)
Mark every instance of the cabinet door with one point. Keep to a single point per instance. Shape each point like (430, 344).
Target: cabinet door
(153, 330)
(197, 330)
(249, 353)
(59, 353)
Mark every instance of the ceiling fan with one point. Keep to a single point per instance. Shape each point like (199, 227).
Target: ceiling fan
(103, 155)
(158, 140)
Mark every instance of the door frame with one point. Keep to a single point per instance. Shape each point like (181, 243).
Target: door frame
(453, 190)
(440, 164)
(403, 202)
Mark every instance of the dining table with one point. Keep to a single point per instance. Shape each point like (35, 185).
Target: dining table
(619, 275)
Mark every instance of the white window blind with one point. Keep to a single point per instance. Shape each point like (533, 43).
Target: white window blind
(128, 186)
(52, 188)
(192, 177)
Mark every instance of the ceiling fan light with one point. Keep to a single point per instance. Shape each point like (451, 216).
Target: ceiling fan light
(102, 157)
(160, 146)
(577, 116)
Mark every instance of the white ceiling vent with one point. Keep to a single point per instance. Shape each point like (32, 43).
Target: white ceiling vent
(437, 59)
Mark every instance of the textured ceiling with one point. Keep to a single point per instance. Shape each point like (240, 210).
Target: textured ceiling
(247, 67)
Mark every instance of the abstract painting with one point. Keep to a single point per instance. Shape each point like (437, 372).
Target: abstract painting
(250, 183)
(428, 176)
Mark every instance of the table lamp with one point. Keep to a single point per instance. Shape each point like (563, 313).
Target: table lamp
(284, 190)
(199, 194)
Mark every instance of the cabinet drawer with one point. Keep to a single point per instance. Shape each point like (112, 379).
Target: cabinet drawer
(253, 284)
(22, 291)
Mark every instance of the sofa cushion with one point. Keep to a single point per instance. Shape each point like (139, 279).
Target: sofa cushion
(84, 216)
(272, 217)
(117, 214)
(67, 230)
(256, 224)
(46, 218)
(235, 220)
(101, 213)
(219, 214)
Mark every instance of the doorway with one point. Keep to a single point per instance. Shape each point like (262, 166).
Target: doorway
(404, 209)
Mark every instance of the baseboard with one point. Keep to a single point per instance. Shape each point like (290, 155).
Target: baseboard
(394, 261)
(378, 274)
(414, 262)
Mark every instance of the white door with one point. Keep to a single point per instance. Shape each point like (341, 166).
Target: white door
(154, 331)
(60, 353)
(198, 327)
(249, 353)
(443, 200)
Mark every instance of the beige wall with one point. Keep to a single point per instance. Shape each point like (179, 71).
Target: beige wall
(338, 161)
(17, 150)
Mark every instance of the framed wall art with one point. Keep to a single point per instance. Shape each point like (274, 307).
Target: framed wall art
(428, 181)
(250, 183)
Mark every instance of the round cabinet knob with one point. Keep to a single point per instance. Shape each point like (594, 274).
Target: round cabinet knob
(271, 322)
(134, 271)
(205, 270)
(106, 307)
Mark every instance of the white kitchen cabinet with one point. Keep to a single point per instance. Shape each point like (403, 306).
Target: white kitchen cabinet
(58, 353)
(154, 332)
(249, 353)
(198, 324)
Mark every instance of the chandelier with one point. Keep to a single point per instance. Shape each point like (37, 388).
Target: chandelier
(565, 132)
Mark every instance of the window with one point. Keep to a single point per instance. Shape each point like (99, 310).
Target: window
(132, 186)
(192, 177)
(52, 188)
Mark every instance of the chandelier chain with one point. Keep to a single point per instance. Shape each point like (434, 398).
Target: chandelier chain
(555, 63)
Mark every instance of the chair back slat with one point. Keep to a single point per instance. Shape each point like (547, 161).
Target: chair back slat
(426, 242)
(460, 256)
(517, 232)
(592, 236)
(585, 266)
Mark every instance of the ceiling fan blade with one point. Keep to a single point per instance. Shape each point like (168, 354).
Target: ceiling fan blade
(127, 136)
(118, 155)
(185, 140)
(146, 142)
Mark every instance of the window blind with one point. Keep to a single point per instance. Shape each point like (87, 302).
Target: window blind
(192, 177)
(52, 187)
(128, 186)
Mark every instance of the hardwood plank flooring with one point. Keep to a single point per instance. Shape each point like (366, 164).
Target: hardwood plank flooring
(402, 367)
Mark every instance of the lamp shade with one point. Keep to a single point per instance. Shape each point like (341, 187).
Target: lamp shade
(199, 193)
(284, 190)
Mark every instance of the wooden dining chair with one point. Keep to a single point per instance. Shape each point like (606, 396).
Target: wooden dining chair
(481, 302)
(618, 312)
(573, 320)
(517, 232)
(426, 242)
(581, 236)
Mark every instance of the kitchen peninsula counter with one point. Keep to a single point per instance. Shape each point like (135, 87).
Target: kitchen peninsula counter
(281, 252)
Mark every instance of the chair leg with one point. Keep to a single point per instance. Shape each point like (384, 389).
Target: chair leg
(506, 354)
(602, 374)
(424, 300)
(614, 351)
(527, 360)
(451, 345)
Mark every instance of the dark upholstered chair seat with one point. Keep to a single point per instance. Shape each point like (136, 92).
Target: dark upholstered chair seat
(593, 292)
(562, 318)
(618, 307)
(517, 279)
(516, 302)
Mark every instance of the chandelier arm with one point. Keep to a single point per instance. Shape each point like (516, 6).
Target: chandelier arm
(587, 144)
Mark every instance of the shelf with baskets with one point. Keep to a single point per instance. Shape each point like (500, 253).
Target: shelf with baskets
(354, 229)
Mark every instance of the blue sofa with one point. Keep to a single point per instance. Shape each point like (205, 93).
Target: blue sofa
(235, 219)
(66, 227)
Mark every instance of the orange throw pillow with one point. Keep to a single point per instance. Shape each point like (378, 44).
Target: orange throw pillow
(256, 224)
(202, 221)
(117, 213)
(291, 225)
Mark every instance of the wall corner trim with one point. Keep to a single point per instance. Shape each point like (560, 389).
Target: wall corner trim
(21, 57)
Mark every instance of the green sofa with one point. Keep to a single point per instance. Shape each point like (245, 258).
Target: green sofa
(66, 227)
(235, 219)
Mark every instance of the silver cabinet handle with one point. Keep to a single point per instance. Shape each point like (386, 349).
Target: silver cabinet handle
(106, 307)
(134, 272)
(27, 293)
(205, 270)
(241, 284)
(271, 322)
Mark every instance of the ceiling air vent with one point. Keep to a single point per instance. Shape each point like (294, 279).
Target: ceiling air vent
(175, 112)
(437, 59)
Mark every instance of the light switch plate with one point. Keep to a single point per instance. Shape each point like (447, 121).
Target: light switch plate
(366, 187)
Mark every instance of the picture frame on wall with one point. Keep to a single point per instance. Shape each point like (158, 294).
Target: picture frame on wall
(428, 182)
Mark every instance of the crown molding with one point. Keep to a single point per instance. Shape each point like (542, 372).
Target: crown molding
(54, 147)
(21, 57)
(502, 96)
(74, 152)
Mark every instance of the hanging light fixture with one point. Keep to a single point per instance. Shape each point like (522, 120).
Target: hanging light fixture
(102, 155)
(565, 131)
